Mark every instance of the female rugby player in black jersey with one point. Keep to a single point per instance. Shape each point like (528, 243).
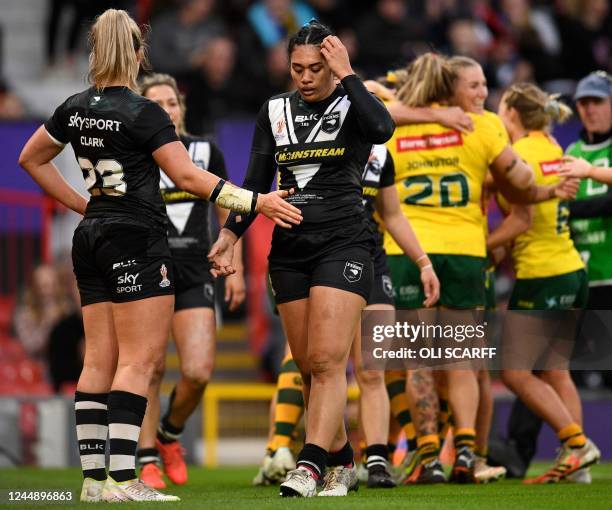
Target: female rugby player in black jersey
(319, 138)
(120, 249)
(193, 322)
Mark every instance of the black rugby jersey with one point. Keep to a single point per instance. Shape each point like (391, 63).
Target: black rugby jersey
(113, 132)
(379, 173)
(188, 232)
(320, 150)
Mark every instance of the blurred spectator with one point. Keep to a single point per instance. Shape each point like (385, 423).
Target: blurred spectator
(586, 34)
(150, 9)
(274, 20)
(66, 347)
(386, 37)
(44, 303)
(81, 10)
(534, 37)
(178, 36)
(335, 13)
(10, 105)
(439, 15)
(217, 89)
(82, 15)
(349, 39)
(466, 37)
(278, 78)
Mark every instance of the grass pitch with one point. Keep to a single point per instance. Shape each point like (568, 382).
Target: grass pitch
(229, 488)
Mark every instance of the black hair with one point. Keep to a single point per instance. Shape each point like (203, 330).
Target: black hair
(312, 32)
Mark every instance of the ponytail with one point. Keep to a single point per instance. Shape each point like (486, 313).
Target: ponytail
(429, 80)
(557, 110)
(116, 44)
(536, 109)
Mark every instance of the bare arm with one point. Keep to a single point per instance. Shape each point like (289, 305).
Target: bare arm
(452, 117)
(36, 159)
(510, 172)
(579, 167)
(379, 90)
(174, 160)
(514, 224)
(235, 287)
(387, 206)
(515, 180)
(222, 215)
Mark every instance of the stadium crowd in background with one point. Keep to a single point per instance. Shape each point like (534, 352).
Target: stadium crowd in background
(11, 107)
(549, 42)
(215, 48)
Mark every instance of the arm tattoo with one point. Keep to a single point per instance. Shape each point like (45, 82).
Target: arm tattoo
(510, 166)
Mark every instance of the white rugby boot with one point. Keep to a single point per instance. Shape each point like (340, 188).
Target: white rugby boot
(339, 480)
(282, 462)
(132, 490)
(92, 490)
(299, 483)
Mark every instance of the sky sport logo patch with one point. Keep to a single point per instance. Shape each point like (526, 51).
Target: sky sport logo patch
(352, 271)
(550, 167)
(425, 142)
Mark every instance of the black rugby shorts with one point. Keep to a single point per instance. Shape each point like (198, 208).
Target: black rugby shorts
(381, 292)
(337, 257)
(120, 260)
(194, 285)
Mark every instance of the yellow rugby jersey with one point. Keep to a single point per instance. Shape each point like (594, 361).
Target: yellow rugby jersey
(486, 197)
(546, 249)
(439, 175)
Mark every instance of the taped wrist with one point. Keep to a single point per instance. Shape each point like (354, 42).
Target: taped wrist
(233, 198)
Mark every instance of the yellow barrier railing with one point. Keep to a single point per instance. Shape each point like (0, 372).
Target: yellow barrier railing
(210, 409)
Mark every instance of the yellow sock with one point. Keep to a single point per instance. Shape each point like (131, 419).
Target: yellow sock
(482, 451)
(289, 404)
(572, 436)
(400, 407)
(444, 417)
(428, 448)
(362, 449)
(465, 437)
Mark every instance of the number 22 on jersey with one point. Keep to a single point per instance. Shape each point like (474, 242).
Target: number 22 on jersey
(103, 178)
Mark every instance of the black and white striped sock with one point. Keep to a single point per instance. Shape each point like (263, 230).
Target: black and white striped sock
(376, 457)
(313, 458)
(91, 415)
(147, 456)
(125, 413)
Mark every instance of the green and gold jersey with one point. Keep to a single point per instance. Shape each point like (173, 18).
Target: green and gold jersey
(439, 173)
(545, 249)
(593, 236)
